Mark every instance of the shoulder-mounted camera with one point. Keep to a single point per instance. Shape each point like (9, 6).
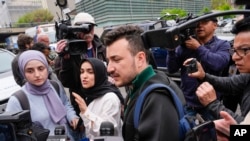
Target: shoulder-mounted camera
(171, 37)
(64, 30)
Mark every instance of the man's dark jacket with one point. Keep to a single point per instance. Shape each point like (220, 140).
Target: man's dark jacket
(236, 85)
(159, 118)
(214, 58)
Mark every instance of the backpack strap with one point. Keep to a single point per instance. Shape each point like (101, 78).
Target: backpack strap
(56, 86)
(23, 100)
(143, 95)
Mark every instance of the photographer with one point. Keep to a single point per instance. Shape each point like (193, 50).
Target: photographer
(67, 67)
(207, 49)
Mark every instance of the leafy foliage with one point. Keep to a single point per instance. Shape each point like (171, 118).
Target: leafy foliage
(178, 11)
(40, 15)
(205, 10)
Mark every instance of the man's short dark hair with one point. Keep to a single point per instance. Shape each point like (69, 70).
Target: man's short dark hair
(129, 32)
(241, 26)
(23, 40)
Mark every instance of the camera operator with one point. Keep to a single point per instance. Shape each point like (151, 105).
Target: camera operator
(67, 67)
(210, 51)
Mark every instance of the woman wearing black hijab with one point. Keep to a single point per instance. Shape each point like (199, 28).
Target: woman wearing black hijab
(103, 100)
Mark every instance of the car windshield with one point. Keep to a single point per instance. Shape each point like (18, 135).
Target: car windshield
(5, 61)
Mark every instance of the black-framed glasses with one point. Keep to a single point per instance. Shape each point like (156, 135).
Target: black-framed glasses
(239, 51)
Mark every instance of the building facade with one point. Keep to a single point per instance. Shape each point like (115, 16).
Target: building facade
(12, 10)
(112, 12)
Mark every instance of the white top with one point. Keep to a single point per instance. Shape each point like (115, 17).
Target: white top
(105, 108)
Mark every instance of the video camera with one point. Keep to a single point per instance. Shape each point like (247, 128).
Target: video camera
(171, 37)
(18, 127)
(189, 31)
(64, 30)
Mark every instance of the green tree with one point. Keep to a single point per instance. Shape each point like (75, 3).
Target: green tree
(205, 10)
(218, 3)
(178, 11)
(40, 15)
(225, 7)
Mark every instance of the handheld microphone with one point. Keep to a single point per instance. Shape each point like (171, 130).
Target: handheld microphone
(107, 129)
(107, 132)
(60, 134)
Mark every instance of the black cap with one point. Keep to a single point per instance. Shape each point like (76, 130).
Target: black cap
(214, 19)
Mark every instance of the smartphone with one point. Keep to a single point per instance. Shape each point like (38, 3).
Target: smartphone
(205, 131)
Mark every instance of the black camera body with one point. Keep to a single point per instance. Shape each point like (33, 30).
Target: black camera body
(66, 31)
(188, 31)
(203, 132)
(75, 46)
(171, 37)
(17, 126)
(192, 66)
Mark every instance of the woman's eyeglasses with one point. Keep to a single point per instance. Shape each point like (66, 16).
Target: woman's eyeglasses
(240, 51)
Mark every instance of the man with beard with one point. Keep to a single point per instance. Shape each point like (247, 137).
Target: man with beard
(67, 67)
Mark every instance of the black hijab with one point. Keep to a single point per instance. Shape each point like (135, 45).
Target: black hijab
(102, 86)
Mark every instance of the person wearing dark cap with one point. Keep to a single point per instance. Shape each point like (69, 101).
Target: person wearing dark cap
(237, 85)
(210, 51)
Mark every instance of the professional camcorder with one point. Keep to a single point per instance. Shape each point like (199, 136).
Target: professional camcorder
(189, 31)
(171, 37)
(18, 127)
(70, 32)
(64, 30)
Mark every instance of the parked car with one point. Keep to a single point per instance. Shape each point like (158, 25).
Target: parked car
(7, 83)
(228, 27)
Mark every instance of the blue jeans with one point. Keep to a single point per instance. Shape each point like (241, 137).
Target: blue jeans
(75, 135)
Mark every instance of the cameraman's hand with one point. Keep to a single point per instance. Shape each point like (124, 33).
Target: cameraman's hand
(192, 43)
(200, 74)
(60, 46)
(206, 93)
